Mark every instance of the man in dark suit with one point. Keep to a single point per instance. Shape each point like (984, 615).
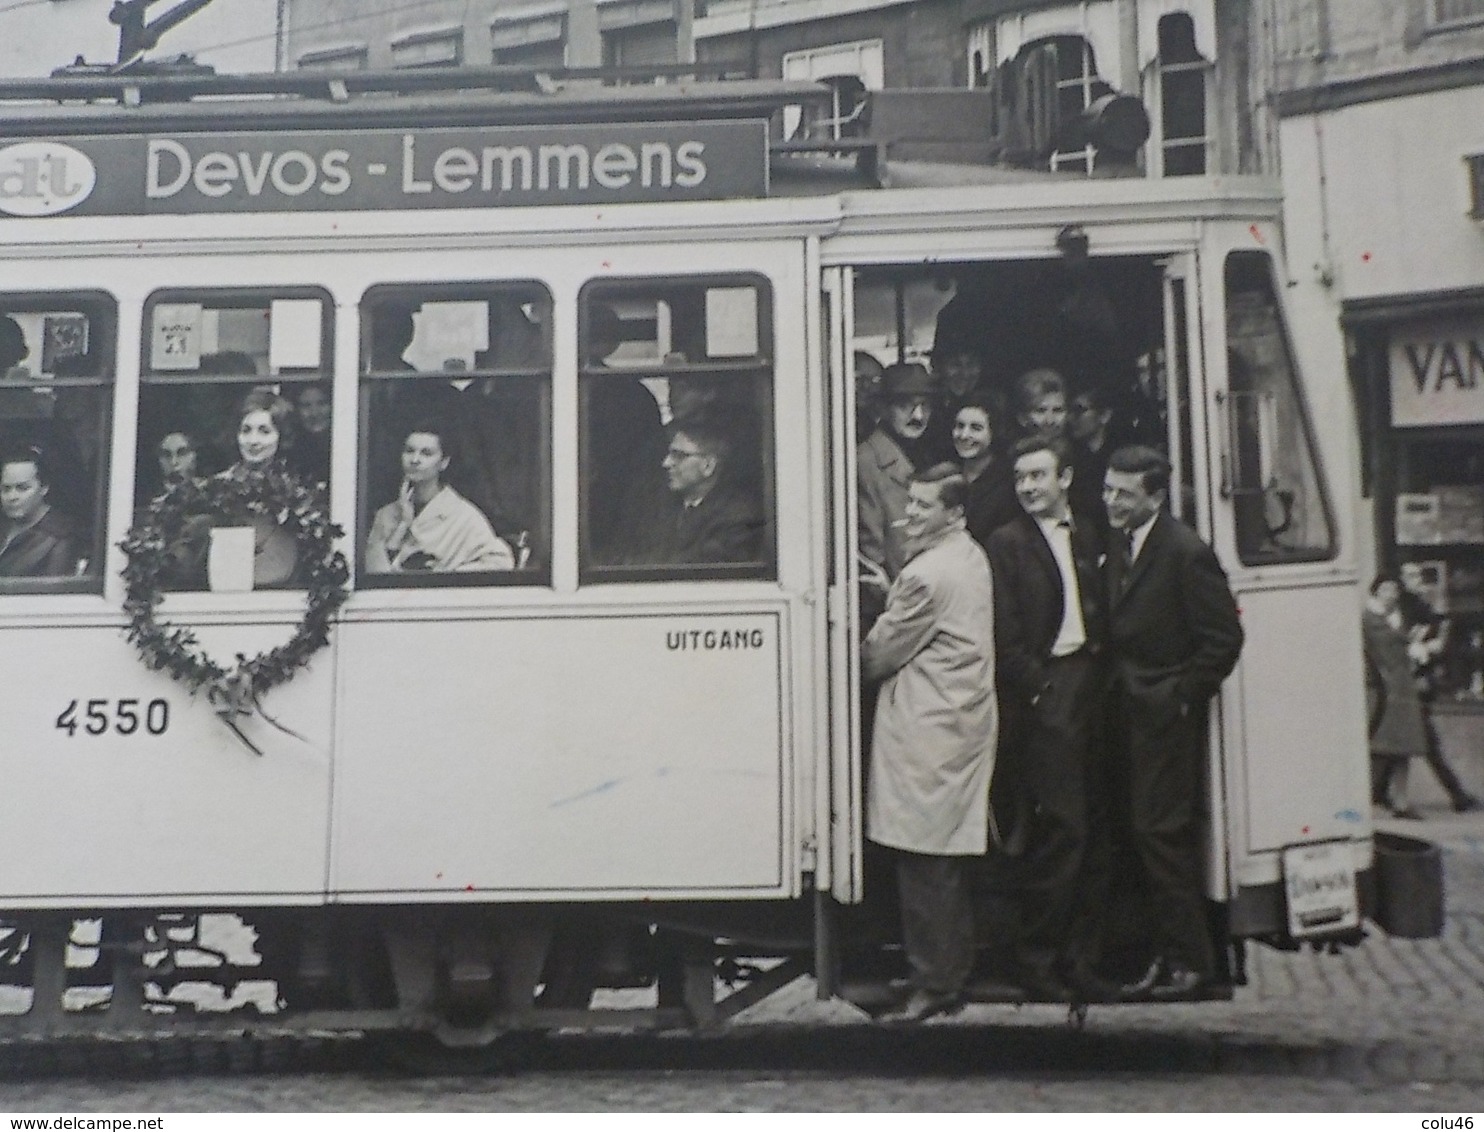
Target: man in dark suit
(712, 522)
(1049, 639)
(1174, 636)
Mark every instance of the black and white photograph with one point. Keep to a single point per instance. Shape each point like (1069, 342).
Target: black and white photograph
(732, 556)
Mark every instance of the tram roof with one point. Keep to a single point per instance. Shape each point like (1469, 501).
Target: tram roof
(104, 102)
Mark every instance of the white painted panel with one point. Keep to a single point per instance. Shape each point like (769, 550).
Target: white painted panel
(188, 814)
(1304, 766)
(622, 754)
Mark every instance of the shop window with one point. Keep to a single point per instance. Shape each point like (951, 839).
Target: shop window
(456, 395)
(56, 384)
(676, 423)
(216, 364)
(1271, 471)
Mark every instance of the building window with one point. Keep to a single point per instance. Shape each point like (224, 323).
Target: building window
(429, 49)
(1183, 80)
(56, 387)
(456, 410)
(529, 43)
(643, 45)
(849, 70)
(352, 57)
(1445, 14)
(1043, 94)
(551, 54)
(676, 424)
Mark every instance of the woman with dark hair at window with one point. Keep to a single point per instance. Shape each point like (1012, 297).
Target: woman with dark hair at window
(430, 526)
(265, 431)
(37, 541)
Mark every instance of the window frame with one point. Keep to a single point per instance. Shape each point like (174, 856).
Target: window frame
(148, 375)
(763, 363)
(104, 305)
(1314, 456)
(1435, 21)
(466, 290)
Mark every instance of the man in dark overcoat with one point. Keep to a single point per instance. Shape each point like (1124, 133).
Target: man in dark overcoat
(1050, 628)
(1174, 636)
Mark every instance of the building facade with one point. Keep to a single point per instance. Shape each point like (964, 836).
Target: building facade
(1382, 142)
(1202, 68)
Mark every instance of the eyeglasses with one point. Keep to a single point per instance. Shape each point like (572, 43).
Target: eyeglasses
(678, 454)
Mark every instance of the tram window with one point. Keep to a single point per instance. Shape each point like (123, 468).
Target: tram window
(1272, 472)
(204, 354)
(56, 378)
(676, 425)
(456, 395)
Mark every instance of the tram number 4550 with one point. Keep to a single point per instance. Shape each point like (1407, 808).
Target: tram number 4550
(122, 717)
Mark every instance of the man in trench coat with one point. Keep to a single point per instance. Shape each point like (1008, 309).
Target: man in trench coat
(928, 790)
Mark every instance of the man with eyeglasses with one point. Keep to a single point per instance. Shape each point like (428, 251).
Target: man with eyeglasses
(884, 466)
(712, 521)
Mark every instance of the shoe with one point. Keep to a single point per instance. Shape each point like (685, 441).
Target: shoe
(1086, 986)
(1407, 814)
(1140, 990)
(922, 1005)
(1178, 984)
(1467, 804)
(1042, 983)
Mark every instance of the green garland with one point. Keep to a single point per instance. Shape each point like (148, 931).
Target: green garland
(154, 549)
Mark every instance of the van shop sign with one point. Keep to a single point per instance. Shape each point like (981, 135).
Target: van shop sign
(141, 175)
(1437, 372)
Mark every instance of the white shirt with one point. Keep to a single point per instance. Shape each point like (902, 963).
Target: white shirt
(1138, 535)
(1073, 632)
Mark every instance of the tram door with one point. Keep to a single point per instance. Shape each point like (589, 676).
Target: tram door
(844, 793)
(1184, 398)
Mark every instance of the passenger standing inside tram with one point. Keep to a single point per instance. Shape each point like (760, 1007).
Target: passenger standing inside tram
(1050, 632)
(884, 467)
(1041, 403)
(991, 500)
(928, 798)
(1174, 636)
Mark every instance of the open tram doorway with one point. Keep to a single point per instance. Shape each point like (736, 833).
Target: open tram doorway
(1105, 351)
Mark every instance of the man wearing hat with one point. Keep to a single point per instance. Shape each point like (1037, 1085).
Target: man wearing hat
(885, 462)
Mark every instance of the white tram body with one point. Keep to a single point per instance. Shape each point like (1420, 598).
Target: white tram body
(563, 738)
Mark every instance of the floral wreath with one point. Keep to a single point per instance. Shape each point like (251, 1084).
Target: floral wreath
(154, 549)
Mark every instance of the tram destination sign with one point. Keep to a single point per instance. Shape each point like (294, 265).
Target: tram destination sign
(366, 170)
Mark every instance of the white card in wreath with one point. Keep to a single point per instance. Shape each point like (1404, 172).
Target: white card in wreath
(229, 561)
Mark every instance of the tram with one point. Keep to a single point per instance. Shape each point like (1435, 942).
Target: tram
(578, 765)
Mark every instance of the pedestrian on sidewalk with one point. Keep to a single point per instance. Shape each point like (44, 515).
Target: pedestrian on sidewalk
(1427, 639)
(1397, 731)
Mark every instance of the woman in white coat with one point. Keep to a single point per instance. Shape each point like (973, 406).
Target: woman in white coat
(429, 526)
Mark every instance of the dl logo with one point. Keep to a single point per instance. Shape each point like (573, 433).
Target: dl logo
(43, 178)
